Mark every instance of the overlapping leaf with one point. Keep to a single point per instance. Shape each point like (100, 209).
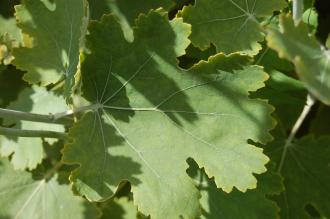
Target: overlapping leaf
(28, 152)
(26, 196)
(253, 204)
(10, 37)
(231, 25)
(311, 59)
(126, 11)
(154, 116)
(52, 40)
(321, 122)
(10, 78)
(306, 173)
(120, 208)
(8, 25)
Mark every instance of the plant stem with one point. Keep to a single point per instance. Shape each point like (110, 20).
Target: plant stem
(297, 10)
(19, 115)
(309, 103)
(61, 115)
(49, 174)
(60, 118)
(31, 133)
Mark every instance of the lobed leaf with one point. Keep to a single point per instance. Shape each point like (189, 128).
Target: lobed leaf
(51, 41)
(25, 196)
(126, 11)
(29, 152)
(306, 173)
(253, 204)
(153, 116)
(311, 60)
(231, 25)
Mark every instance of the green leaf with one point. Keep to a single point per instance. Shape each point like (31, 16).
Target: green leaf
(29, 152)
(217, 204)
(8, 25)
(26, 196)
(306, 177)
(320, 124)
(10, 80)
(120, 208)
(311, 59)
(269, 59)
(287, 95)
(231, 25)
(126, 11)
(310, 18)
(51, 39)
(154, 116)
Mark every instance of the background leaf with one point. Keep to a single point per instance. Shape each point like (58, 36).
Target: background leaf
(310, 58)
(51, 40)
(26, 196)
(28, 152)
(306, 176)
(231, 25)
(253, 204)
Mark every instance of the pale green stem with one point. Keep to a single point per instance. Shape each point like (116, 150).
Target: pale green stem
(297, 10)
(309, 103)
(51, 118)
(31, 133)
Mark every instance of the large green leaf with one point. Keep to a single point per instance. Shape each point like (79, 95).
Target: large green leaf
(27, 196)
(154, 116)
(306, 173)
(28, 152)
(217, 204)
(120, 208)
(311, 59)
(52, 40)
(126, 11)
(231, 25)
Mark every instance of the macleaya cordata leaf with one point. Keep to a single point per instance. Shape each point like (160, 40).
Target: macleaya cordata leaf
(311, 59)
(120, 208)
(126, 11)
(253, 204)
(10, 37)
(153, 116)
(38, 196)
(306, 172)
(287, 95)
(28, 152)
(52, 41)
(231, 25)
